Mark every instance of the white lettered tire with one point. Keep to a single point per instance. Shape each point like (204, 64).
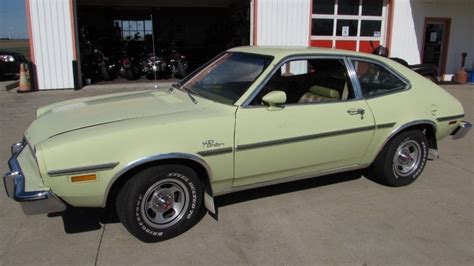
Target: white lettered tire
(160, 202)
(402, 160)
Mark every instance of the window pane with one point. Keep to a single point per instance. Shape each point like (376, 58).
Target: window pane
(372, 7)
(322, 27)
(346, 27)
(294, 68)
(126, 35)
(375, 79)
(133, 25)
(148, 25)
(348, 7)
(227, 78)
(320, 81)
(323, 7)
(370, 28)
(140, 25)
(125, 25)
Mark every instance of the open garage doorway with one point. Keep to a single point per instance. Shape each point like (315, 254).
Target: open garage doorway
(156, 40)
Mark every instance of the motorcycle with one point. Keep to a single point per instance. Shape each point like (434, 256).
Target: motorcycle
(104, 68)
(178, 64)
(426, 70)
(155, 67)
(96, 66)
(128, 67)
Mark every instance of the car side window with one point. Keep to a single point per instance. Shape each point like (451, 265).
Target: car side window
(310, 81)
(376, 79)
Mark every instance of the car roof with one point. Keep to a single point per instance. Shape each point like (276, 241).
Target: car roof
(281, 52)
(5, 51)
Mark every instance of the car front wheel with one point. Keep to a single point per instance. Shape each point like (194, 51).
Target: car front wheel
(160, 202)
(402, 160)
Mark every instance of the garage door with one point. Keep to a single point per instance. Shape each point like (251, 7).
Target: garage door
(349, 24)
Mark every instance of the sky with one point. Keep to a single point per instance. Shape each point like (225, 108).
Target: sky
(13, 19)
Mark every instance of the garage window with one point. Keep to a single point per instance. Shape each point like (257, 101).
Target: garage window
(349, 24)
(137, 30)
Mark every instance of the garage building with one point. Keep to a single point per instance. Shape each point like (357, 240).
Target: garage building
(421, 31)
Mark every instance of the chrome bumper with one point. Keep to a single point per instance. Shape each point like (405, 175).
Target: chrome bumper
(32, 202)
(461, 130)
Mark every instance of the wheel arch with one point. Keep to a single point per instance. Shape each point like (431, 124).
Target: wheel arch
(193, 161)
(428, 128)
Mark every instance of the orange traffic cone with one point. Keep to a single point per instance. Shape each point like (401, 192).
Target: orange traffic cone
(24, 84)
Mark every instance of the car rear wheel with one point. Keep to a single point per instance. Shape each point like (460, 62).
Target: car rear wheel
(402, 160)
(160, 202)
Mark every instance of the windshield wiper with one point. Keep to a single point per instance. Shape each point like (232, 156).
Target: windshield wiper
(190, 92)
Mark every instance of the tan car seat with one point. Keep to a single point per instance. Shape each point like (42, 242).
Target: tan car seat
(320, 94)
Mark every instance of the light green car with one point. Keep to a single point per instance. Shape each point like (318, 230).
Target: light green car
(250, 117)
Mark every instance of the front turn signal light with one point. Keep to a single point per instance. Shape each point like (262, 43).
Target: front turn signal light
(83, 178)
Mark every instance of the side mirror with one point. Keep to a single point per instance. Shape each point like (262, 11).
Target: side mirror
(274, 98)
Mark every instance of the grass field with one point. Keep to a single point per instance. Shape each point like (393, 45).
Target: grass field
(21, 46)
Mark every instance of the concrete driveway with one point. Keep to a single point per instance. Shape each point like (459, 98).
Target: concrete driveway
(337, 219)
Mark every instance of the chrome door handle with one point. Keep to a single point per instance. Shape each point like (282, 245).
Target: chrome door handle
(354, 111)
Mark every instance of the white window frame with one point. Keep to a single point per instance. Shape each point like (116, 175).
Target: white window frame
(359, 18)
(144, 31)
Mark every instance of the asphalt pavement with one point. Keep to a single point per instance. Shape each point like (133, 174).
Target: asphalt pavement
(338, 219)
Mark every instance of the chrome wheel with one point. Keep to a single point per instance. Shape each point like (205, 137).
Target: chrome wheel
(407, 158)
(164, 203)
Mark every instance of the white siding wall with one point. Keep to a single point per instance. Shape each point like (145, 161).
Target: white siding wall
(52, 43)
(283, 22)
(408, 23)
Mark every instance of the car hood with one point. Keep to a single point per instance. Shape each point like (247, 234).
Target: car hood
(77, 114)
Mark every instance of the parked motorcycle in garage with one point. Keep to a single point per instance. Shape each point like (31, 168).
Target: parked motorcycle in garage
(155, 67)
(96, 66)
(178, 64)
(128, 67)
(105, 69)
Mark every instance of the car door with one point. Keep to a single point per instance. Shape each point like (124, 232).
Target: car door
(303, 136)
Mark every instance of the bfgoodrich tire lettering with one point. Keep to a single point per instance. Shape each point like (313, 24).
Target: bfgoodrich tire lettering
(160, 202)
(402, 160)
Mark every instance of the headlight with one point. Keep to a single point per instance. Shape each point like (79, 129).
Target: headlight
(7, 58)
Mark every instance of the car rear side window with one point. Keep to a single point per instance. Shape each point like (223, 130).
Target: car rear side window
(375, 79)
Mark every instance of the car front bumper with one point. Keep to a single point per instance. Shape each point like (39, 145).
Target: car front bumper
(461, 130)
(32, 202)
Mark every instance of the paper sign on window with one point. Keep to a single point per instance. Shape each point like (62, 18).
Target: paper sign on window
(345, 31)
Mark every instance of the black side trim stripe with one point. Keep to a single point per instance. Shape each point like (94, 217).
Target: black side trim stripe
(215, 152)
(387, 125)
(84, 169)
(446, 118)
(302, 138)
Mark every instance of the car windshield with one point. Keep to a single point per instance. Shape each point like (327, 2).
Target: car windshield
(226, 78)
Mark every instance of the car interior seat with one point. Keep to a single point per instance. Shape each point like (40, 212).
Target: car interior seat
(320, 94)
